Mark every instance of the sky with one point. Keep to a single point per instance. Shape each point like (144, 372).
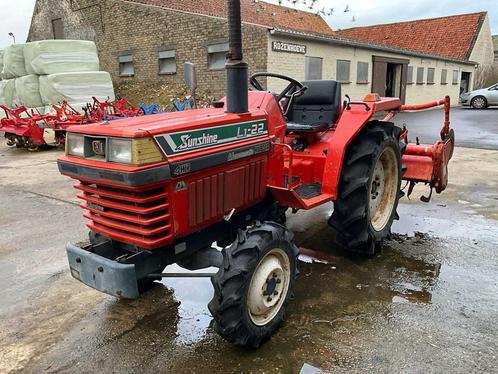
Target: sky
(15, 16)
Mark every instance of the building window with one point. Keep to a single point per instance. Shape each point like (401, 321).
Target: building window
(217, 55)
(362, 73)
(313, 68)
(409, 75)
(167, 61)
(58, 28)
(455, 76)
(420, 75)
(430, 75)
(126, 67)
(342, 73)
(444, 76)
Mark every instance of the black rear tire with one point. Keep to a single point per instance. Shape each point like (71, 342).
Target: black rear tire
(359, 228)
(235, 285)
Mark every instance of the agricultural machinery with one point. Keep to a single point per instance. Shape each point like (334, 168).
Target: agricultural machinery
(150, 109)
(99, 111)
(26, 128)
(163, 189)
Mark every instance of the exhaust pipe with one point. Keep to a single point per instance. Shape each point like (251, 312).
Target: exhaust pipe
(237, 69)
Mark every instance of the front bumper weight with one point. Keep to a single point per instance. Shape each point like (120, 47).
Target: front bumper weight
(102, 274)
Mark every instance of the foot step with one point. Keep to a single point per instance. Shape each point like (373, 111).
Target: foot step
(308, 191)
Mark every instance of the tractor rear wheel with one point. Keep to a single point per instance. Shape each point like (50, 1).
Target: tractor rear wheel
(369, 188)
(254, 285)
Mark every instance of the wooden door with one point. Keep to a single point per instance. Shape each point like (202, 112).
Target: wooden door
(379, 77)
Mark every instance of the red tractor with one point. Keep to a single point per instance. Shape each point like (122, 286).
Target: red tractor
(162, 189)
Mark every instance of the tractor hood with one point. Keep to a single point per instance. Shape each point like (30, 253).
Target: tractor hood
(157, 124)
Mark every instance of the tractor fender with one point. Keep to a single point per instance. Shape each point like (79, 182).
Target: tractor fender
(350, 124)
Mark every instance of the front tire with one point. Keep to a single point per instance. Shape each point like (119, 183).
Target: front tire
(369, 188)
(254, 285)
(479, 102)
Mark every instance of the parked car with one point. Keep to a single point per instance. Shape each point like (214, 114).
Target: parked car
(480, 99)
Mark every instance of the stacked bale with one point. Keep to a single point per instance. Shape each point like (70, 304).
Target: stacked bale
(7, 92)
(13, 62)
(27, 92)
(68, 70)
(60, 56)
(12, 67)
(42, 73)
(1, 63)
(2, 113)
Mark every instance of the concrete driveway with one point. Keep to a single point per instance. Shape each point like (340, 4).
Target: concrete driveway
(427, 303)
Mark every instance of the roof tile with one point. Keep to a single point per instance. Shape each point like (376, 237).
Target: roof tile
(451, 37)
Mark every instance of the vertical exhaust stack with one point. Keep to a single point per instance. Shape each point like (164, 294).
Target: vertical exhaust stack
(237, 69)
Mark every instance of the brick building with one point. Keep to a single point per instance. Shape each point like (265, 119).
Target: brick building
(146, 42)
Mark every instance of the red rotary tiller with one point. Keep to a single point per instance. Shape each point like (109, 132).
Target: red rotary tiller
(99, 111)
(24, 128)
(67, 115)
(428, 163)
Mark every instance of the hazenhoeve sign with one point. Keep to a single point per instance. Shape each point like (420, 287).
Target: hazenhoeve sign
(289, 47)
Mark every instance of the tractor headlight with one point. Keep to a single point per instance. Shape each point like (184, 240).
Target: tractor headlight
(120, 151)
(75, 145)
(127, 151)
(138, 152)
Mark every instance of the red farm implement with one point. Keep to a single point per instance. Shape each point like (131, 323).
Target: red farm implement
(27, 129)
(99, 111)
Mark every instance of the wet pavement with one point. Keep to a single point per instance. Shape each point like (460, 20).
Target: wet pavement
(427, 303)
(474, 128)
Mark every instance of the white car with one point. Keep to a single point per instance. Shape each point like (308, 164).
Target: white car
(480, 99)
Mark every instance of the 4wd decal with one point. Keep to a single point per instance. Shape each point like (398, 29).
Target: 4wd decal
(187, 141)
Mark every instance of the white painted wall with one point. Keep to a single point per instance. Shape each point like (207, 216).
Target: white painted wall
(483, 52)
(294, 65)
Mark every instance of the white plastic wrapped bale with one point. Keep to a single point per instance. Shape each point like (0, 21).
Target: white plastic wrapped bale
(13, 62)
(7, 92)
(76, 87)
(1, 63)
(60, 56)
(28, 91)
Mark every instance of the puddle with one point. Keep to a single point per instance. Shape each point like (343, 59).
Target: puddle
(193, 294)
(349, 313)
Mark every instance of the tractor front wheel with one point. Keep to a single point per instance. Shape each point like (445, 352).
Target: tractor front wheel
(369, 188)
(254, 285)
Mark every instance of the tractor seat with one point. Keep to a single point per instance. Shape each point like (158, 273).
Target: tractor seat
(317, 109)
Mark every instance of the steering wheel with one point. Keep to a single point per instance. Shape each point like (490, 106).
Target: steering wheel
(294, 88)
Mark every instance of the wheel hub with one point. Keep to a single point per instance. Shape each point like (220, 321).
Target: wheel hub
(383, 189)
(268, 287)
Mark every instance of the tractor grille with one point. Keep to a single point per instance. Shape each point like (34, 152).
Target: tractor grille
(141, 218)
